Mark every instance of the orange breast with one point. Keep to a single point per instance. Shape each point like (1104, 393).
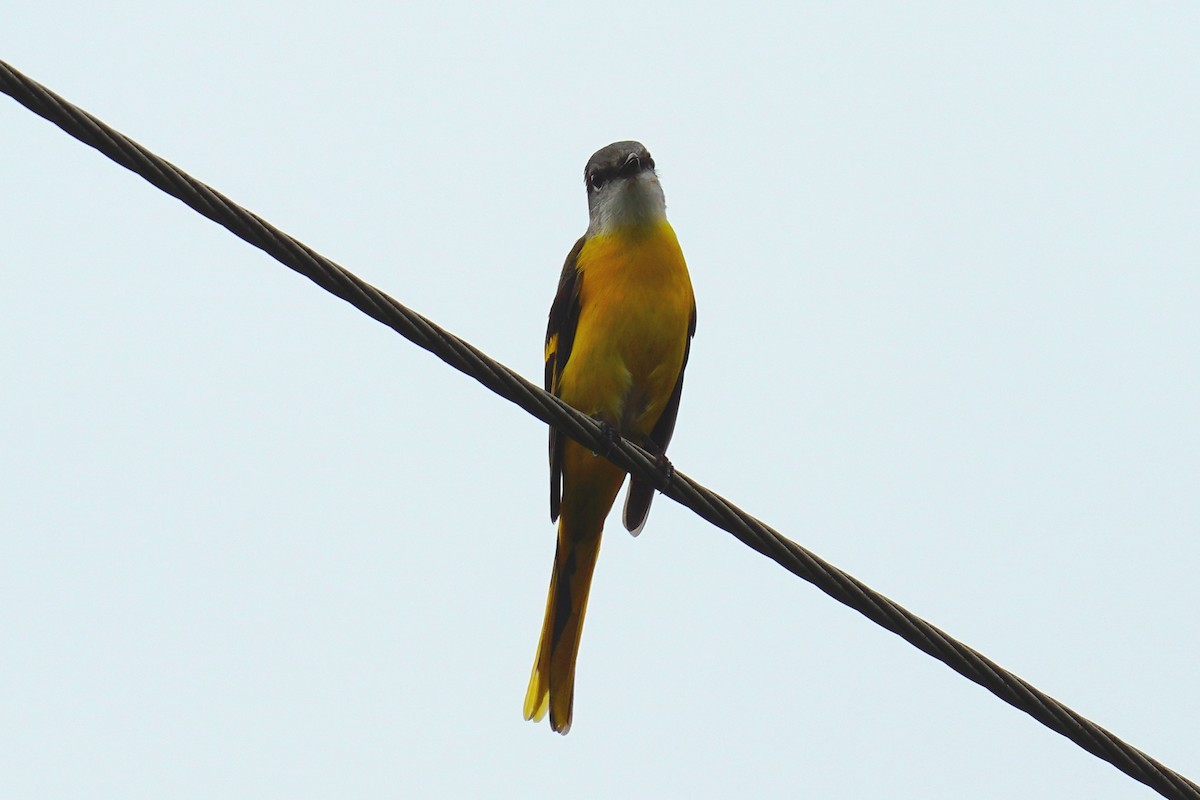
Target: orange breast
(635, 300)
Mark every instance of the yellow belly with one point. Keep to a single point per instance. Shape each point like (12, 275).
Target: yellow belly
(635, 300)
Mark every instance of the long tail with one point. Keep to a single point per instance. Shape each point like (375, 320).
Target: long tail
(552, 684)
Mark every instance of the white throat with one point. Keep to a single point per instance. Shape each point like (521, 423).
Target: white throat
(636, 201)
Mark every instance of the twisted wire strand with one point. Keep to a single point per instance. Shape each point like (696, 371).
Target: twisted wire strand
(466, 358)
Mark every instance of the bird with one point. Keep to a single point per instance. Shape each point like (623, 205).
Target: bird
(617, 342)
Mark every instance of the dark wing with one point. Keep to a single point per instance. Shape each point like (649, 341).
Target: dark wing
(560, 336)
(637, 502)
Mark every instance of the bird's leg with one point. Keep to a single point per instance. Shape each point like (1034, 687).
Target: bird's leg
(666, 470)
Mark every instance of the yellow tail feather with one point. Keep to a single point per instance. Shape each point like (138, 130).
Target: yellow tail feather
(552, 682)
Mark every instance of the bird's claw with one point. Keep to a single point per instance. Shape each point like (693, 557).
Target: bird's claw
(666, 471)
(611, 437)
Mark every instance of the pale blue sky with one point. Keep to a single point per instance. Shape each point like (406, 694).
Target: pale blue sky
(253, 544)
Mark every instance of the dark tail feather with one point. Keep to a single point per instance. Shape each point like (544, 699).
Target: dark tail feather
(637, 505)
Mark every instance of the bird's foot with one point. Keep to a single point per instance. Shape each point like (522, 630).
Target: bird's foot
(666, 471)
(611, 437)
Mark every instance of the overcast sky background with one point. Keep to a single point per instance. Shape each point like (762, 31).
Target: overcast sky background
(947, 262)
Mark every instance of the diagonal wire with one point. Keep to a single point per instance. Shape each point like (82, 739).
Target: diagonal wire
(500, 379)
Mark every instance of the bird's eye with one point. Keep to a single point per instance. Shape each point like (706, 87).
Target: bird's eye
(649, 162)
(596, 181)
